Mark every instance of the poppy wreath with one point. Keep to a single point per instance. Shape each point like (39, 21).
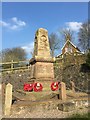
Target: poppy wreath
(37, 87)
(54, 86)
(28, 87)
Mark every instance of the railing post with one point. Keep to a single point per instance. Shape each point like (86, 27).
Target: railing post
(12, 65)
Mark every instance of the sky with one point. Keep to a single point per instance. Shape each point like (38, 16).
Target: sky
(20, 20)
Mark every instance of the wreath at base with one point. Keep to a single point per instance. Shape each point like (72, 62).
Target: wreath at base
(54, 86)
(38, 87)
(28, 87)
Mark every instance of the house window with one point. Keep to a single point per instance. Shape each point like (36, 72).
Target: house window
(69, 49)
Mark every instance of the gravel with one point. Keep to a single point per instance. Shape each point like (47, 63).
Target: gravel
(39, 112)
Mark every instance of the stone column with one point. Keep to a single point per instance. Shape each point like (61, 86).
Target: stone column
(62, 94)
(8, 99)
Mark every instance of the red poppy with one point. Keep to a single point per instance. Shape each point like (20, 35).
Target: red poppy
(28, 87)
(54, 86)
(38, 87)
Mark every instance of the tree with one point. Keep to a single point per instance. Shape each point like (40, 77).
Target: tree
(32, 52)
(67, 34)
(15, 54)
(84, 36)
(54, 42)
(88, 58)
(84, 41)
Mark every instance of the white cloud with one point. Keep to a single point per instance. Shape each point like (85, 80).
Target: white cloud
(18, 22)
(29, 48)
(14, 24)
(4, 24)
(75, 26)
(14, 27)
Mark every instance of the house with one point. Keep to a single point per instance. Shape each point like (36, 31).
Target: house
(70, 54)
(69, 47)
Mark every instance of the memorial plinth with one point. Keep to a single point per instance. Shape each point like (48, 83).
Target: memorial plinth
(43, 68)
(42, 63)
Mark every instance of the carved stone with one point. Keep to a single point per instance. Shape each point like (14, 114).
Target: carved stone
(42, 62)
(41, 46)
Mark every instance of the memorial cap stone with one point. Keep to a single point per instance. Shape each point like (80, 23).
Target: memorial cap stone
(41, 44)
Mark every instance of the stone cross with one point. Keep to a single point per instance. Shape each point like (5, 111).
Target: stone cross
(8, 99)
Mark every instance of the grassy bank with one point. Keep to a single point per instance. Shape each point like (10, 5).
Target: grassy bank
(79, 117)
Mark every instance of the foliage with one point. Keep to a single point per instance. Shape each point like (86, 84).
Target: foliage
(88, 58)
(84, 36)
(85, 67)
(54, 42)
(73, 72)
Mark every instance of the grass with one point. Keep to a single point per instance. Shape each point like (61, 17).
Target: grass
(79, 116)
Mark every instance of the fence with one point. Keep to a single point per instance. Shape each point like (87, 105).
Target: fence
(13, 67)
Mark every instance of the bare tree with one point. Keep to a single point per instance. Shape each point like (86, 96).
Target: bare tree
(32, 52)
(15, 54)
(84, 36)
(67, 34)
(54, 42)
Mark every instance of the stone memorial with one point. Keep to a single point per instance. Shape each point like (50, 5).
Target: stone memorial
(42, 62)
